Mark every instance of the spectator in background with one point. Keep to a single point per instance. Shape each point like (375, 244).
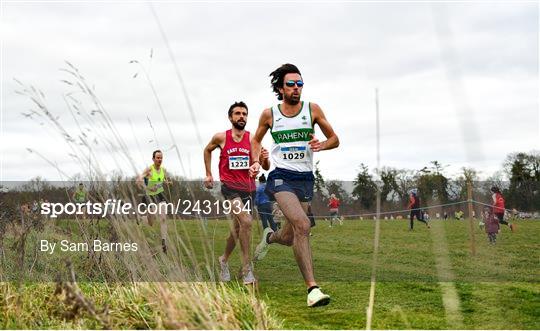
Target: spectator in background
(264, 206)
(333, 205)
(35, 206)
(498, 206)
(491, 225)
(414, 206)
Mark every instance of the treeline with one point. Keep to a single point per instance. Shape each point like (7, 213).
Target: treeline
(521, 190)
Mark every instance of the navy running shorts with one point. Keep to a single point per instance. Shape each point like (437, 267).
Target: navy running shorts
(283, 180)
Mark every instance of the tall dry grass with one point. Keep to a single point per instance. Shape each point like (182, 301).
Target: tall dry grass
(146, 289)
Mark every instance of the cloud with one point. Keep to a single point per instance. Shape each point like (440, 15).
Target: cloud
(226, 51)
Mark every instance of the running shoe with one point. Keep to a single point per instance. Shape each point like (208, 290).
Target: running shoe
(224, 275)
(262, 247)
(317, 298)
(249, 278)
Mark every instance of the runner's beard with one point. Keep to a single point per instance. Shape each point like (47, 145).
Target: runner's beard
(239, 126)
(292, 100)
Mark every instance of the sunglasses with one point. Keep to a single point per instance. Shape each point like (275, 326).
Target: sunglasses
(291, 83)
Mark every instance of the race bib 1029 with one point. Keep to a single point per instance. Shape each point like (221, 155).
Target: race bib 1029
(293, 153)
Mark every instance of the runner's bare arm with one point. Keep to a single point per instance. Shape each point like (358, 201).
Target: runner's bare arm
(332, 140)
(218, 140)
(141, 177)
(264, 124)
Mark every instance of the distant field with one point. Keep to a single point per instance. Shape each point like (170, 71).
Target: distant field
(498, 288)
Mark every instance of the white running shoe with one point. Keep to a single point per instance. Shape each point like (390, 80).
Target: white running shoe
(224, 275)
(317, 298)
(249, 278)
(262, 247)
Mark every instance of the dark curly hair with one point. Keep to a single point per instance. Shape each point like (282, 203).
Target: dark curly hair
(278, 75)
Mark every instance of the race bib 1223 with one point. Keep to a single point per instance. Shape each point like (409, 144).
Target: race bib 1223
(238, 162)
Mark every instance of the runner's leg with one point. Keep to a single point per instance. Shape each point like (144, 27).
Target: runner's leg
(162, 213)
(233, 236)
(420, 217)
(284, 236)
(244, 221)
(295, 212)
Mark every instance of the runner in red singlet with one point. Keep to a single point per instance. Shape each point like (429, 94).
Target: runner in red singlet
(236, 184)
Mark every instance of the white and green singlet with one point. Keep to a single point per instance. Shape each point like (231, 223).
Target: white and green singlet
(291, 134)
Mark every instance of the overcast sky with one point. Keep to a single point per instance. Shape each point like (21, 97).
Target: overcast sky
(458, 82)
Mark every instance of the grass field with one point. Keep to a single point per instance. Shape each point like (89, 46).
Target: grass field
(498, 288)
